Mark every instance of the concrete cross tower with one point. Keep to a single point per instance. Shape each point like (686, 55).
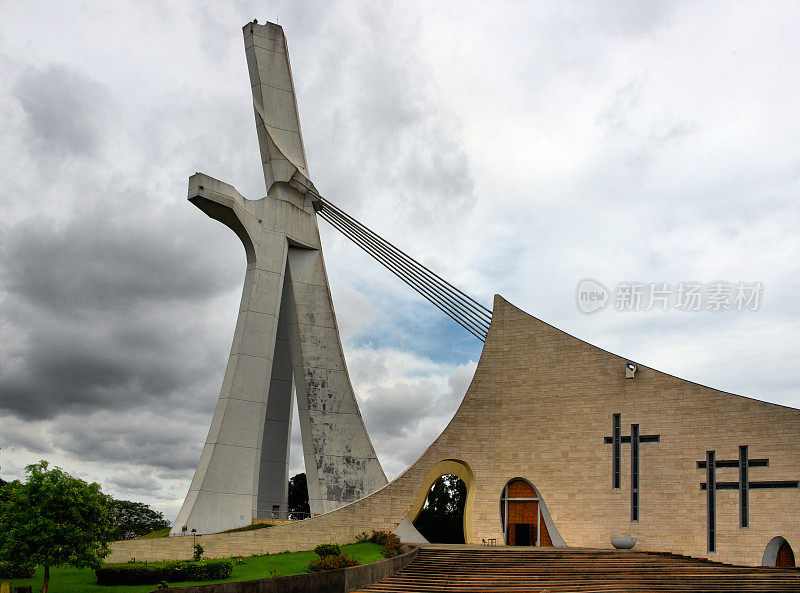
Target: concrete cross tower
(286, 338)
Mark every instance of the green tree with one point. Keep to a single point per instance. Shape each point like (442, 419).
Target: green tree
(298, 497)
(54, 519)
(442, 518)
(5, 491)
(133, 519)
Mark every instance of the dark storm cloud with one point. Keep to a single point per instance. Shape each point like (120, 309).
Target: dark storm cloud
(99, 302)
(58, 380)
(133, 355)
(66, 111)
(101, 261)
(155, 436)
(76, 370)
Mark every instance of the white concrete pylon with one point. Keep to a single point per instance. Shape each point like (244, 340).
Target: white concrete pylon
(283, 154)
(286, 334)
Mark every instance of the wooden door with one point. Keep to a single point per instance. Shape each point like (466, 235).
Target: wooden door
(522, 511)
(525, 524)
(523, 534)
(785, 557)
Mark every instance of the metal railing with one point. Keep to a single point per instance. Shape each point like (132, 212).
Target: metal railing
(283, 515)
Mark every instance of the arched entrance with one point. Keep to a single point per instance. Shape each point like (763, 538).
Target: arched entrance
(521, 515)
(457, 468)
(778, 553)
(441, 519)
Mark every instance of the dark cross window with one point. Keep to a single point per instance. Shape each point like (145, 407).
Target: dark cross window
(744, 485)
(635, 439)
(616, 436)
(634, 472)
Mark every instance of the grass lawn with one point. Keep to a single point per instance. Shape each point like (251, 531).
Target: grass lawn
(71, 580)
(156, 534)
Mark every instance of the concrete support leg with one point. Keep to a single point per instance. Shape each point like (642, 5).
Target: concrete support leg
(341, 465)
(273, 477)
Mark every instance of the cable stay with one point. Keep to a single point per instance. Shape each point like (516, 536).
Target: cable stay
(458, 306)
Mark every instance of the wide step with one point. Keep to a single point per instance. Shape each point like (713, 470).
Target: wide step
(464, 570)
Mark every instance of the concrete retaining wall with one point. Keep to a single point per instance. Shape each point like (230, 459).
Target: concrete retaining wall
(331, 581)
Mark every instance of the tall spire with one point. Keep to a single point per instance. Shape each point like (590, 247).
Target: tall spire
(286, 339)
(275, 104)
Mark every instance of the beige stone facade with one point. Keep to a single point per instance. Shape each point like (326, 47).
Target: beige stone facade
(540, 407)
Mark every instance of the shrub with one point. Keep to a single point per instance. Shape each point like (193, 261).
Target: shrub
(170, 572)
(331, 563)
(392, 545)
(11, 570)
(378, 537)
(390, 542)
(198, 552)
(327, 550)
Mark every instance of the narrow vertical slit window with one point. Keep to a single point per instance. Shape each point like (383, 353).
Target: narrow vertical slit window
(634, 472)
(616, 432)
(711, 488)
(744, 488)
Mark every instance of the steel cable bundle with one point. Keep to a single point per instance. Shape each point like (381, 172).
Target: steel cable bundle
(454, 303)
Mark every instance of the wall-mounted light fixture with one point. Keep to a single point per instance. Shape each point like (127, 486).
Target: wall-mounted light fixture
(630, 370)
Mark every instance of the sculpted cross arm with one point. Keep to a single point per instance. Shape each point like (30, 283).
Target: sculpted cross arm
(222, 202)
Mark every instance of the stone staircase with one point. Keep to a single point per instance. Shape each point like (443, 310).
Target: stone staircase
(458, 569)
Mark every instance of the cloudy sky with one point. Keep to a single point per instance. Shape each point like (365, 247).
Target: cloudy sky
(514, 148)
